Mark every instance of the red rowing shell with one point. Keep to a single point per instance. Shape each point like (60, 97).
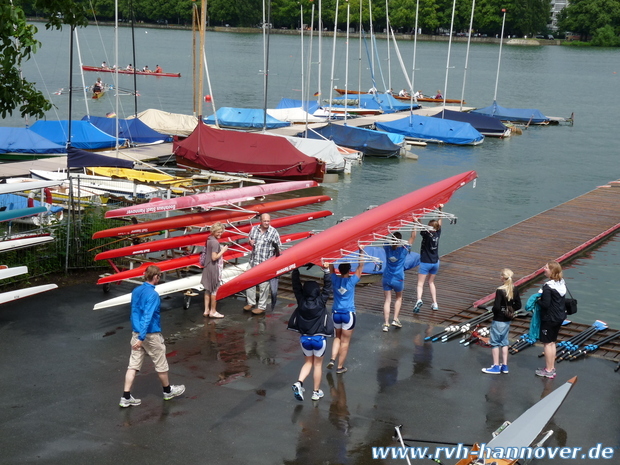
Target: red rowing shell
(126, 71)
(206, 218)
(347, 234)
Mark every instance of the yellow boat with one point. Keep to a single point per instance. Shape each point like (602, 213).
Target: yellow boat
(148, 177)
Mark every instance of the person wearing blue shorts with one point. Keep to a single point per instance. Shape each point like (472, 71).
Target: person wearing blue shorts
(313, 322)
(429, 262)
(343, 311)
(394, 278)
(506, 294)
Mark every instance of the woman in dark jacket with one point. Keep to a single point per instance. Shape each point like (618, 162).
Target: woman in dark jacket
(505, 295)
(552, 315)
(314, 323)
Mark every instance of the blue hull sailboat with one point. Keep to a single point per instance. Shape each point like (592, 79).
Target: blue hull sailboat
(427, 129)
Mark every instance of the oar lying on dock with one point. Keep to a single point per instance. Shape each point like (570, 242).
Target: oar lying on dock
(592, 347)
(575, 341)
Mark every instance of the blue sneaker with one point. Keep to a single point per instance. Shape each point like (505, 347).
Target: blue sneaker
(418, 306)
(493, 370)
(504, 369)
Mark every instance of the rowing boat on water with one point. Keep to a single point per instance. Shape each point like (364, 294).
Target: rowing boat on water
(99, 69)
(419, 99)
(203, 218)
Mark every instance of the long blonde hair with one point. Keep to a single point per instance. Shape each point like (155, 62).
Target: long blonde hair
(508, 286)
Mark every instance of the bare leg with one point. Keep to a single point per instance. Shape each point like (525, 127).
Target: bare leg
(397, 304)
(129, 377)
(549, 350)
(344, 346)
(431, 286)
(505, 355)
(318, 372)
(207, 304)
(163, 377)
(305, 369)
(386, 306)
(336, 344)
(495, 353)
(420, 288)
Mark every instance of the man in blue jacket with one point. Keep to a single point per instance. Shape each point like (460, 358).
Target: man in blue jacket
(146, 338)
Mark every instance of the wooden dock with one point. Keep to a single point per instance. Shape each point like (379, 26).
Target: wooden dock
(470, 275)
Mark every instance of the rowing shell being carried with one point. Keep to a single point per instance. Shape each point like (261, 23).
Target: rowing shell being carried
(345, 237)
(99, 69)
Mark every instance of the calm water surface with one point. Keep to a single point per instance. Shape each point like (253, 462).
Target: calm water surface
(518, 177)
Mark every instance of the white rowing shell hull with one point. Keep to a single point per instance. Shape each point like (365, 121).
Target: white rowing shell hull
(178, 285)
(21, 293)
(11, 187)
(524, 430)
(6, 273)
(21, 243)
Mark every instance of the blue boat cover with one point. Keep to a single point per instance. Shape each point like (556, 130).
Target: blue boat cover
(482, 123)
(84, 134)
(385, 102)
(133, 130)
(23, 140)
(367, 141)
(309, 106)
(433, 130)
(523, 115)
(244, 118)
(77, 158)
(18, 202)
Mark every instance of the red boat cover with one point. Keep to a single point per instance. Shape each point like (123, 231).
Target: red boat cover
(242, 152)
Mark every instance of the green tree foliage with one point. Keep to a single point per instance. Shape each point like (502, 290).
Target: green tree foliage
(605, 37)
(586, 17)
(17, 43)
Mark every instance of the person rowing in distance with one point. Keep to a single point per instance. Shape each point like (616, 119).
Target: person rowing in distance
(98, 87)
(104, 65)
(146, 69)
(158, 69)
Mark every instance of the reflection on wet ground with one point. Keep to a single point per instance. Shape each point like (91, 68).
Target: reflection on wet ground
(239, 407)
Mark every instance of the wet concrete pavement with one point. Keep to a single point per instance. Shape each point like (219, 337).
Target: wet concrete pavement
(62, 370)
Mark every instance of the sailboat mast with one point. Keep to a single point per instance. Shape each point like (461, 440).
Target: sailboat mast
(387, 27)
(116, 69)
(320, 24)
(359, 59)
(445, 86)
(331, 80)
(203, 22)
(501, 41)
(471, 24)
(346, 68)
(266, 62)
(133, 46)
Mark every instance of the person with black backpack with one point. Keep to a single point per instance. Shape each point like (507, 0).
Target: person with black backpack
(507, 302)
(312, 320)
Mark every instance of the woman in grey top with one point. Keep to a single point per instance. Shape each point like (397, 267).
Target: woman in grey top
(212, 271)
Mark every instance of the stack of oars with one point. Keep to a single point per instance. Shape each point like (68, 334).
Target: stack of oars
(565, 347)
(525, 340)
(592, 347)
(453, 331)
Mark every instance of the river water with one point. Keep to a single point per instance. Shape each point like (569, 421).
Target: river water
(518, 177)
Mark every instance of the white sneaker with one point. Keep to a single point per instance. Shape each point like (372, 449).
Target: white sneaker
(316, 395)
(386, 328)
(417, 306)
(397, 323)
(298, 391)
(175, 391)
(129, 402)
(434, 306)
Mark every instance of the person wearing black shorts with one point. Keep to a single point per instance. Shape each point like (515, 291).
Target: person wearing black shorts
(552, 315)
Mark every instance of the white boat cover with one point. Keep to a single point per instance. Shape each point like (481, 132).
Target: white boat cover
(294, 115)
(324, 150)
(164, 122)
